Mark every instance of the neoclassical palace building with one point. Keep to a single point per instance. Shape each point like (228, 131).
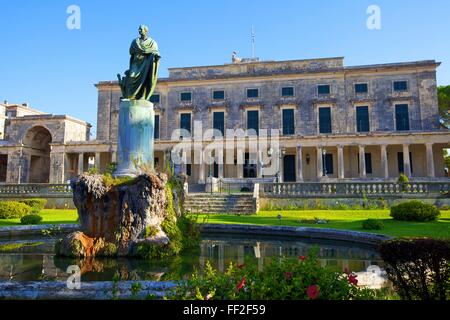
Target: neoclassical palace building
(335, 123)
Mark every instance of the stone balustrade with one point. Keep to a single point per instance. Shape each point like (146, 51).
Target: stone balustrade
(353, 189)
(35, 190)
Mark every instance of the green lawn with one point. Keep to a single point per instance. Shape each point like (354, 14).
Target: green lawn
(338, 219)
(50, 216)
(341, 219)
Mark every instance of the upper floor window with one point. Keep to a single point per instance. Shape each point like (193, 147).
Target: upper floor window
(156, 127)
(288, 122)
(362, 119)
(253, 120)
(186, 96)
(155, 98)
(252, 93)
(325, 120)
(185, 122)
(361, 88)
(400, 86)
(218, 95)
(323, 89)
(219, 121)
(287, 91)
(402, 117)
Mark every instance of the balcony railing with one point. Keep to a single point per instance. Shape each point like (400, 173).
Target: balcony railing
(31, 189)
(355, 189)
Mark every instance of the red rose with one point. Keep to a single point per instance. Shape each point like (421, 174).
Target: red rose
(313, 292)
(302, 258)
(288, 275)
(352, 279)
(241, 284)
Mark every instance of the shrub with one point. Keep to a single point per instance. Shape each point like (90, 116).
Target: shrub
(372, 224)
(402, 179)
(418, 268)
(13, 210)
(281, 279)
(36, 204)
(31, 219)
(415, 211)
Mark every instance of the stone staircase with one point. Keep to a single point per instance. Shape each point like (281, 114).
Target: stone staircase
(219, 203)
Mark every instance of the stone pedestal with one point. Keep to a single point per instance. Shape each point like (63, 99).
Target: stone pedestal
(135, 136)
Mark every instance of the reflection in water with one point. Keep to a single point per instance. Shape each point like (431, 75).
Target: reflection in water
(219, 251)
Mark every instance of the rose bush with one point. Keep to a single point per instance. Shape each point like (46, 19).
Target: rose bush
(281, 279)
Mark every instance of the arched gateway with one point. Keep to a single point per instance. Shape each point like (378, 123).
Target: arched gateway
(36, 149)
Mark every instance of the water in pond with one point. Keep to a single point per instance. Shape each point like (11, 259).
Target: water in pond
(35, 261)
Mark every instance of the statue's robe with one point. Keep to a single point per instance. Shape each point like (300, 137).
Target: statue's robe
(142, 76)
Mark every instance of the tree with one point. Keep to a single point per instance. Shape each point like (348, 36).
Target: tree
(444, 104)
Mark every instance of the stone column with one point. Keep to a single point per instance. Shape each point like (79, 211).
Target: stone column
(362, 162)
(430, 161)
(319, 163)
(56, 168)
(240, 166)
(384, 162)
(299, 164)
(201, 166)
(406, 162)
(341, 167)
(98, 160)
(80, 163)
(114, 157)
(220, 164)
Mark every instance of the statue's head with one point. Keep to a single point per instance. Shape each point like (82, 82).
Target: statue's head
(143, 30)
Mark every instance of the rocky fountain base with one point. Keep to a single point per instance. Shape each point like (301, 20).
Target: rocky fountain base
(119, 220)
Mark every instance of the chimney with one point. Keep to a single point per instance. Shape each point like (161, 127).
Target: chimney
(5, 102)
(25, 104)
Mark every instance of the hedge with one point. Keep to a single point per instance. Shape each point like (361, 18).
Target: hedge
(415, 211)
(13, 209)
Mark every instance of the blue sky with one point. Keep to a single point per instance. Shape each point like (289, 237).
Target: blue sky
(55, 69)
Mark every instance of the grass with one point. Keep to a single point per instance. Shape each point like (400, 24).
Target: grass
(340, 219)
(16, 246)
(49, 216)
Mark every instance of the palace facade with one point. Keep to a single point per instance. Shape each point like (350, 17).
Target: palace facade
(335, 122)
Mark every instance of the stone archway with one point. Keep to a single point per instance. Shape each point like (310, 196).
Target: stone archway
(36, 148)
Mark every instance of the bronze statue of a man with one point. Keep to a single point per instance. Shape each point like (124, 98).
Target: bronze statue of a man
(140, 80)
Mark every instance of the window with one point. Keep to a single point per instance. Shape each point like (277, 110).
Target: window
(253, 120)
(288, 121)
(400, 86)
(156, 162)
(252, 93)
(402, 117)
(368, 160)
(219, 121)
(401, 168)
(188, 169)
(325, 120)
(328, 164)
(156, 127)
(249, 167)
(362, 119)
(324, 89)
(185, 122)
(287, 91)
(219, 95)
(186, 96)
(361, 88)
(155, 98)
